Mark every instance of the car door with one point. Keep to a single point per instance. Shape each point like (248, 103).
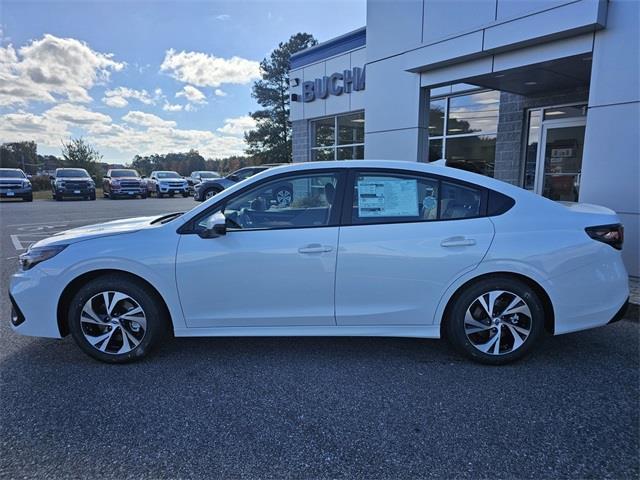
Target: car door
(275, 266)
(404, 239)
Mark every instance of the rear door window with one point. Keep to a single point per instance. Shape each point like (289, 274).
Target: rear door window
(399, 197)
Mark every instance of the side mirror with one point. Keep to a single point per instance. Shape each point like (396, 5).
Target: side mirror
(143, 176)
(107, 177)
(93, 177)
(234, 178)
(51, 177)
(216, 227)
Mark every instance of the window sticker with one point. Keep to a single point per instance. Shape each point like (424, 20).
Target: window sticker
(387, 197)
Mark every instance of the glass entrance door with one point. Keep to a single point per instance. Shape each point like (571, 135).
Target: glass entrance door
(560, 160)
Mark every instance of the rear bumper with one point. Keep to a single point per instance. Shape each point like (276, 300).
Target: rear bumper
(621, 313)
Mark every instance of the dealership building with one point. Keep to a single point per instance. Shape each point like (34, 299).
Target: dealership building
(543, 94)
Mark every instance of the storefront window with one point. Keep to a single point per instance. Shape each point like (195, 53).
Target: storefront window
(463, 130)
(348, 144)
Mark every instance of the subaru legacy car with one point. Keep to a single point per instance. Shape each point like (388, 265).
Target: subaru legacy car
(207, 188)
(72, 182)
(167, 183)
(15, 184)
(123, 182)
(367, 248)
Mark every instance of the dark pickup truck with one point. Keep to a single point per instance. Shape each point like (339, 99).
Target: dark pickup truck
(72, 182)
(15, 184)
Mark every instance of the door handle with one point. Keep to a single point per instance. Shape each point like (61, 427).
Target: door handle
(315, 248)
(457, 242)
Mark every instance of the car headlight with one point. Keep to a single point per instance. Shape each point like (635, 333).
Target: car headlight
(92, 183)
(34, 256)
(26, 184)
(115, 183)
(59, 181)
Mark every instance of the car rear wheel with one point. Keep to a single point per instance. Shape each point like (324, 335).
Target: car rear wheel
(116, 319)
(496, 320)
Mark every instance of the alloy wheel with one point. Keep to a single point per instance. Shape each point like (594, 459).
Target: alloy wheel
(113, 322)
(283, 198)
(498, 322)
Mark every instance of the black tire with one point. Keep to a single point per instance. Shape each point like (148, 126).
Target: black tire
(171, 194)
(156, 318)
(92, 196)
(28, 198)
(454, 326)
(143, 196)
(58, 197)
(210, 192)
(159, 195)
(185, 194)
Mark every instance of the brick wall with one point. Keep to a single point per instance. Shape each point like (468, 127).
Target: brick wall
(300, 140)
(512, 123)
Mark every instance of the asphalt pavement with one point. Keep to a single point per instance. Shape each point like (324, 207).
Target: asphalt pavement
(306, 407)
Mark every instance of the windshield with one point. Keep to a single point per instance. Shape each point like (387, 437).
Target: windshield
(11, 174)
(124, 173)
(72, 172)
(167, 175)
(208, 175)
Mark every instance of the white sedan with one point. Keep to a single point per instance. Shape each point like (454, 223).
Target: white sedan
(370, 248)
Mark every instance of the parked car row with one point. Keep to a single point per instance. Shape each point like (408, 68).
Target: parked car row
(128, 183)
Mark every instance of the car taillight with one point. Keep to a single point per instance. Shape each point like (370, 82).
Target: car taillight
(610, 234)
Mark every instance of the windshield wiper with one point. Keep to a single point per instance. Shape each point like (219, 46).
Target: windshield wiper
(166, 218)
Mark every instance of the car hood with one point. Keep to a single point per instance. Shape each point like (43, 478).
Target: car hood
(115, 227)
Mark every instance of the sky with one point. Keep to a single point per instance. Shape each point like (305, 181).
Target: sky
(142, 77)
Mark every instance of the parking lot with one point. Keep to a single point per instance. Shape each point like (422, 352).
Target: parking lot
(306, 407)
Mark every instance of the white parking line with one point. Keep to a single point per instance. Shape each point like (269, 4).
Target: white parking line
(16, 242)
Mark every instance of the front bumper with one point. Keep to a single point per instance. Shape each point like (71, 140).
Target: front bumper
(173, 189)
(128, 191)
(22, 192)
(34, 299)
(75, 192)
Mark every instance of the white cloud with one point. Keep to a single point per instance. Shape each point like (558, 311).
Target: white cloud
(172, 107)
(192, 94)
(223, 17)
(52, 126)
(142, 133)
(118, 96)
(220, 93)
(147, 120)
(51, 68)
(76, 115)
(205, 70)
(237, 126)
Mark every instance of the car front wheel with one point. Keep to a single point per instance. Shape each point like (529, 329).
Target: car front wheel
(116, 319)
(212, 192)
(496, 320)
